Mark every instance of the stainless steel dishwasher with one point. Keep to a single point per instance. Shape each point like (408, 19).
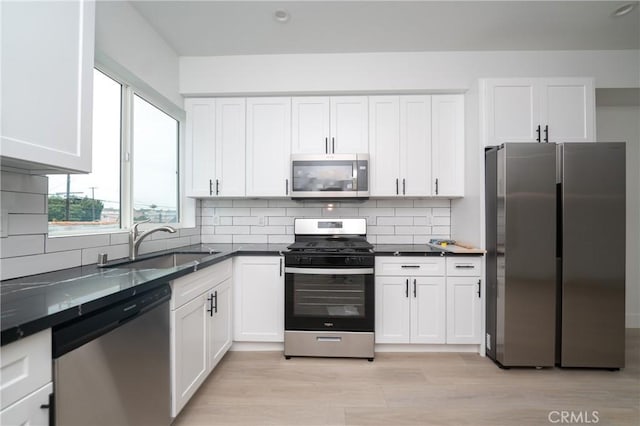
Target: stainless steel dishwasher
(113, 367)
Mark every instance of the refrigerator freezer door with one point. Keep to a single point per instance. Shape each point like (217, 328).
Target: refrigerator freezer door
(526, 255)
(593, 255)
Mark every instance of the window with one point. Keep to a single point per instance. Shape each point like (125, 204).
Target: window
(91, 202)
(155, 164)
(140, 185)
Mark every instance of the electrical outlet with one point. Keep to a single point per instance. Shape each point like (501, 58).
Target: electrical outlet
(261, 220)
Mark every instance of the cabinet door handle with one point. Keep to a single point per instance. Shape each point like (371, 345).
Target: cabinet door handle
(464, 266)
(210, 300)
(414, 288)
(286, 186)
(436, 186)
(217, 187)
(406, 288)
(410, 266)
(479, 287)
(538, 132)
(397, 191)
(51, 407)
(404, 187)
(210, 187)
(280, 266)
(215, 296)
(546, 134)
(326, 145)
(333, 145)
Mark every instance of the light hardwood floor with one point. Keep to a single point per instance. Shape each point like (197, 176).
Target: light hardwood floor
(262, 388)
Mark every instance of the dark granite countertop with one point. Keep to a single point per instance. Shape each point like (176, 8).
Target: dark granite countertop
(36, 302)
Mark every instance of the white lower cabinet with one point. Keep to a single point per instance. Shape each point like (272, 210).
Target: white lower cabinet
(410, 306)
(25, 380)
(429, 300)
(29, 410)
(464, 301)
(200, 329)
(258, 295)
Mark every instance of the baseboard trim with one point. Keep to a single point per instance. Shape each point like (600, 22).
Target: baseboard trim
(427, 348)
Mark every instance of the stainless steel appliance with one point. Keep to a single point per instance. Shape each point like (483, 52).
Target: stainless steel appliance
(329, 290)
(330, 176)
(555, 254)
(112, 367)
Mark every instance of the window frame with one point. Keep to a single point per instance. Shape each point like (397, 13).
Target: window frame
(131, 87)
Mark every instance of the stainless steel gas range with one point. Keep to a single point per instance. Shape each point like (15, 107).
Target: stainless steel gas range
(329, 290)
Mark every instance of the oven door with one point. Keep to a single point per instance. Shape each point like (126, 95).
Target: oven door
(329, 299)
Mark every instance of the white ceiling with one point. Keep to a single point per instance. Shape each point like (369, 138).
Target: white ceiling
(210, 28)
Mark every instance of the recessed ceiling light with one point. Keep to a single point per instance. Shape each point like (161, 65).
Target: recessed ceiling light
(281, 15)
(624, 9)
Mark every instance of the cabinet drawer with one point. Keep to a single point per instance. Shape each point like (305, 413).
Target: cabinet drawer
(28, 410)
(25, 366)
(463, 266)
(410, 266)
(192, 285)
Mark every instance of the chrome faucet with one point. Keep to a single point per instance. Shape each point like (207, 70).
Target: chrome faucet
(135, 237)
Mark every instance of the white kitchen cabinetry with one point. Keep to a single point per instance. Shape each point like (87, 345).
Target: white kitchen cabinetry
(330, 125)
(400, 145)
(538, 110)
(215, 147)
(447, 154)
(25, 367)
(463, 300)
(268, 147)
(47, 85)
(200, 329)
(410, 300)
(258, 295)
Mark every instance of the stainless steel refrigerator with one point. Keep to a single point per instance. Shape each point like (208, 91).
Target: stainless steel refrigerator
(555, 222)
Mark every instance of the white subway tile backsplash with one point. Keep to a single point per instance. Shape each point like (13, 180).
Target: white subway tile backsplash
(441, 212)
(250, 203)
(173, 243)
(188, 232)
(281, 220)
(304, 212)
(23, 202)
(267, 230)
(283, 203)
(14, 267)
(380, 230)
(21, 245)
(421, 239)
(22, 224)
(372, 211)
(77, 242)
(250, 239)
(413, 230)
(412, 211)
(394, 203)
(90, 255)
(245, 220)
(207, 211)
(280, 239)
(216, 203)
(233, 211)
(395, 220)
(394, 239)
(119, 238)
(16, 182)
(216, 239)
(340, 212)
(196, 239)
(207, 221)
(268, 211)
(232, 230)
(442, 221)
(435, 202)
(149, 246)
(441, 230)
(423, 220)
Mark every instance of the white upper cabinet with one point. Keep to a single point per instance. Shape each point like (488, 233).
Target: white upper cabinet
(215, 147)
(417, 145)
(230, 147)
(268, 155)
(447, 153)
(330, 125)
(538, 110)
(47, 85)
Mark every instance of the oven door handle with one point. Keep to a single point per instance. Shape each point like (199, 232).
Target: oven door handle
(327, 271)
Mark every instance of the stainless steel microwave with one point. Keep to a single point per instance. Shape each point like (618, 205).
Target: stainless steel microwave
(330, 176)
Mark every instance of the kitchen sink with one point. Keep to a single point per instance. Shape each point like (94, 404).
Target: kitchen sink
(170, 260)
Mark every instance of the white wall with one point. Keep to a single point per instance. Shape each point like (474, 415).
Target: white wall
(396, 72)
(616, 124)
(125, 39)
